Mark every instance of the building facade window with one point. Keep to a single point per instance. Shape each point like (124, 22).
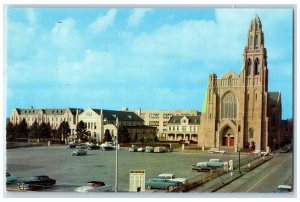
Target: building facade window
(249, 67)
(256, 66)
(251, 133)
(229, 106)
(256, 40)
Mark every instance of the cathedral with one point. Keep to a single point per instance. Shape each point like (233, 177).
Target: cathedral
(238, 111)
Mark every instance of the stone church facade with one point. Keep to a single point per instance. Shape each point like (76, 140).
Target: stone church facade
(237, 111)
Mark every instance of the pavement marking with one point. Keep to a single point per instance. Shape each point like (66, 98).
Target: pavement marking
(266, 175)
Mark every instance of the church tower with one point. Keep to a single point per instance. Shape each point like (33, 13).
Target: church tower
(235, 110)
(255, 80)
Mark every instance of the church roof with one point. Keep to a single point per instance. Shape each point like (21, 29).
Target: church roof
(274, 97)
(230, 73)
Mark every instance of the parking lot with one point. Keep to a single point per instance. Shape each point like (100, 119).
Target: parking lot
(73, 171)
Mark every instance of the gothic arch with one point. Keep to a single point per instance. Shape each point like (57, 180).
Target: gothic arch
(256, 67)
(229, 105)
(227, 134)
(249, 67)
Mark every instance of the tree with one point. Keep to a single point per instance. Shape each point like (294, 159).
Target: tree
(22, 129)
(10, 132)
(107, 137)
(123, 135)
(64, 130)
(45, 130)
(34, 130)
(81, 131)
(135, 138)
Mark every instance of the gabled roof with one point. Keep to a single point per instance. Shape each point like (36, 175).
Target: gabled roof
(73, 110)
(122, 115)
(27, 111)
(192, 119)
(111, 115)
(274, 97)
(230, 73)
(54, 111)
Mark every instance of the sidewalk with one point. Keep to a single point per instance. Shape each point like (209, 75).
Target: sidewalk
(219, 182)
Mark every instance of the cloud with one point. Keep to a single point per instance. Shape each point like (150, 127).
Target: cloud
(103, 22)
(136, 16)
(66, 38)
(31, 16)
(136, 66)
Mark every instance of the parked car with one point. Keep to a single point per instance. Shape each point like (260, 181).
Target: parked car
(94, 186)
(11, 178)
(79, 152)
(284, 188)
(37, 182)
(215, 151)
(93, 147)
(82, 146)
(133, 148)
(149, 149)
(172, 177)
(161, 183)
(71, 145)
(141, 149)
(215, 163)
(202, 167)
(107, 146)
(159, 149)
(264, 153)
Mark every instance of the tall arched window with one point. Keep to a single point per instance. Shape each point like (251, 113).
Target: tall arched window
(256, 66)
(251, 133)
(229, 106)
(250, 40)
(256, 40)
(249, 67)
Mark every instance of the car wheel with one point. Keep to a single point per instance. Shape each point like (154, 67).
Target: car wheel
(170, 188)
(148, 187)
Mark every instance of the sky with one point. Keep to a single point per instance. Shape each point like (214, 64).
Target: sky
(140, 58)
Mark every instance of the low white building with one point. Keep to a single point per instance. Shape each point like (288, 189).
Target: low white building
(96, 120)
(183, 128)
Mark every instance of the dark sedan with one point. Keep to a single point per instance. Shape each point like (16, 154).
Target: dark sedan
(37, 182)
(93, 147)
(201, 168)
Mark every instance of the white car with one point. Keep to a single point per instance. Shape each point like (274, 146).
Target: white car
(141, 149)
(172, 177)
(284, 188)
(94, 186)
(263, 153)
(215, 151)
(107, 146)
(11, 178)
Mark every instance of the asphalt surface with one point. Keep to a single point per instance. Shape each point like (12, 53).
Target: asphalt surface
(73, 171)
(265, 178)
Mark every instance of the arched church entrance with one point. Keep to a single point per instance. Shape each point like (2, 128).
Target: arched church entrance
(227, 137)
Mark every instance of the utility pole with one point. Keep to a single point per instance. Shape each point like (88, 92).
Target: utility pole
(116, 174)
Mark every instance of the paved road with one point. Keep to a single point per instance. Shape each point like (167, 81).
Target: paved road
(265, 178)
(70, 171)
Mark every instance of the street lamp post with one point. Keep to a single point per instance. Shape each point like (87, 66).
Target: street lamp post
(116, 174)
(274, 146)
(239, 150)
(116, 142)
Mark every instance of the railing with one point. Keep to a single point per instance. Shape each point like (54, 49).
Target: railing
(201, 179)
